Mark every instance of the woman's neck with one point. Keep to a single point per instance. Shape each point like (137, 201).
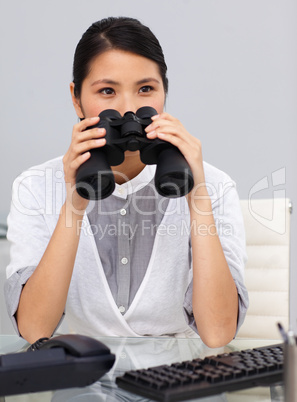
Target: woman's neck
(129, 169)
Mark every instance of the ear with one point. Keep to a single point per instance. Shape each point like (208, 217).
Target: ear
(76, 102)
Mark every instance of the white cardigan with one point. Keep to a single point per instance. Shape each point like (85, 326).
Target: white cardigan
(157, 308)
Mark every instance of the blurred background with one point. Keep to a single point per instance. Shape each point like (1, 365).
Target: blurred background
(232, 82)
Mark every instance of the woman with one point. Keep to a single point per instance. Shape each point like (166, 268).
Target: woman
(135, 263)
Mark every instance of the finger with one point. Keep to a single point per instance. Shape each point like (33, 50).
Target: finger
(77, 162)
(90, 134)
(163, 119)
(159, 124)
(85, 146)
(163, 115)
(85, 123)
(173, 139)
(190, 149)
(151, 127)
(169, 128)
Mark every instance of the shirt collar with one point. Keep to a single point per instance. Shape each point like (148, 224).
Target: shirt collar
(137, 183)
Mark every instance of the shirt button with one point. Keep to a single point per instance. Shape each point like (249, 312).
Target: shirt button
(124, 260)
(123, 211)
(122, 309)
(120, 190)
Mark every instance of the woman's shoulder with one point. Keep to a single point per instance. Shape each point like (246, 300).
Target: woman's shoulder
(56, 164)
(214, 176)
(219, 185)
(39, 176)
(52, 167)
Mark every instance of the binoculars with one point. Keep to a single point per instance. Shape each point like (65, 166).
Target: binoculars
(95, 179)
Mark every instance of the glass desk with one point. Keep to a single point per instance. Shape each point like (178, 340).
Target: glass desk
(136, 353)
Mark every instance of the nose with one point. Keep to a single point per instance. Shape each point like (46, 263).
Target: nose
(127, 104)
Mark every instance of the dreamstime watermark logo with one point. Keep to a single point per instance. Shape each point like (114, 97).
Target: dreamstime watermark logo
(271, 215)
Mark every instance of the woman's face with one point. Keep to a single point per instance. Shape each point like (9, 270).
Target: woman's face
(122, 81)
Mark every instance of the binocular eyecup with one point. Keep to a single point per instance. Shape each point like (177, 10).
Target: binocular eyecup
(95, 179)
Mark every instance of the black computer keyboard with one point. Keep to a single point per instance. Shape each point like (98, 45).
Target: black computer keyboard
(209, 376)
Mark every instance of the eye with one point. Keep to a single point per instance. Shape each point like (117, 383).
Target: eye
(146, 88)
(107, 91)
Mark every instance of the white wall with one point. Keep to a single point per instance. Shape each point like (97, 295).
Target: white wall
(232, 71)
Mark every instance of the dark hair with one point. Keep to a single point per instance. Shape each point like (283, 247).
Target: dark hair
(121, 33)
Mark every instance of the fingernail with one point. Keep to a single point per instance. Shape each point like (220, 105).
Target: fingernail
(151, 134)
(155, 116)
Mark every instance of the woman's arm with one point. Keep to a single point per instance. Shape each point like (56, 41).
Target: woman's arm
(44, 295)
(215, 298)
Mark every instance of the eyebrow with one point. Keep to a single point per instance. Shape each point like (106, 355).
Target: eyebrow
(112, 82)
(105, 81)
(149, 79)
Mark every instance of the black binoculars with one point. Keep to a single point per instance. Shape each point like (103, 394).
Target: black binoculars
(95, 179)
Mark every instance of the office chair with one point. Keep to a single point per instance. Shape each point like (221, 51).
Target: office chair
(5, 323)
(267, 225)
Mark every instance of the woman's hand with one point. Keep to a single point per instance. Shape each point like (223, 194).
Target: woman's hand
(82, 142)
(167, 128)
